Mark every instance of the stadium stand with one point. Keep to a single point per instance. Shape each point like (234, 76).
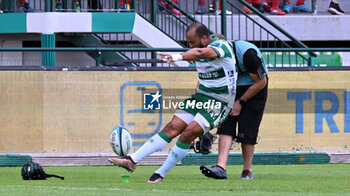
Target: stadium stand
(169, 26)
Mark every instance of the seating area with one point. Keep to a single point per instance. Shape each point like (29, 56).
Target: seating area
(73, 23)
(192, 7)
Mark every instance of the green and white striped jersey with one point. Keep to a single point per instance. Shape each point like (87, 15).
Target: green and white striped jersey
(217, 77)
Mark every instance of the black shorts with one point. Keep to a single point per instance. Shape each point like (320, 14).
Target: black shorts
(248, 120)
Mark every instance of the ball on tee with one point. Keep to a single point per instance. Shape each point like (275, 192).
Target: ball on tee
(120, 141)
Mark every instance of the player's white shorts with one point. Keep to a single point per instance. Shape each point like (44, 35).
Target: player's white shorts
(188, 118)
(207, 118)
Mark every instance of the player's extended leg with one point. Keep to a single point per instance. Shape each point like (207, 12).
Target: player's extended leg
(179, 151)
(155, 143)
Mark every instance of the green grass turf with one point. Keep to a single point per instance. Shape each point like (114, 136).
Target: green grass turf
(315, 179)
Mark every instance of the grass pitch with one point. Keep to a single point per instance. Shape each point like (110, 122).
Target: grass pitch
(327, 179)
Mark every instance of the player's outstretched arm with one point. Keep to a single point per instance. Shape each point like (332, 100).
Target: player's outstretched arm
(193, 54)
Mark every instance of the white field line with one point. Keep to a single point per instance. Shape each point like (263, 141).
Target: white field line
(13, 187)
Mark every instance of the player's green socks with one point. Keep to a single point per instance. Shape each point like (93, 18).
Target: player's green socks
(177, 153)
(155, 143)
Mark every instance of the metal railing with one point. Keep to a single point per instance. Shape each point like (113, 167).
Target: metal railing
(274, 57)
(88, 5)
(238, 26)
(173, 19)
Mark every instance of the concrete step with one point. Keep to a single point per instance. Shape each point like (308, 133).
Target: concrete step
(304, 27)
(322, 5)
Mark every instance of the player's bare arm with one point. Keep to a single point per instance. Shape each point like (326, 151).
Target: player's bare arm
(255, 88)
(193, 54)
(251, 92)
(199, 53)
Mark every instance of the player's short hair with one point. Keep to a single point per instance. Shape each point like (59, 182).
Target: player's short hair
(200, 29)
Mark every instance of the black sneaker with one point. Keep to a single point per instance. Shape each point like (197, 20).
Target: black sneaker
(155, 178)
(215, 171)
(335, 9)
(247, 175)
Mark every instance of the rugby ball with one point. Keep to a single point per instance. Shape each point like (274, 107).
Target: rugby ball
(120, 141)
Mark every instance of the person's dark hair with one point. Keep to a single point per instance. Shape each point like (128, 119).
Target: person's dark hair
(200, 29)
(220, 36)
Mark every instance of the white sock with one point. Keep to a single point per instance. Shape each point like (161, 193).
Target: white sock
(177, 153)
(155, 143)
